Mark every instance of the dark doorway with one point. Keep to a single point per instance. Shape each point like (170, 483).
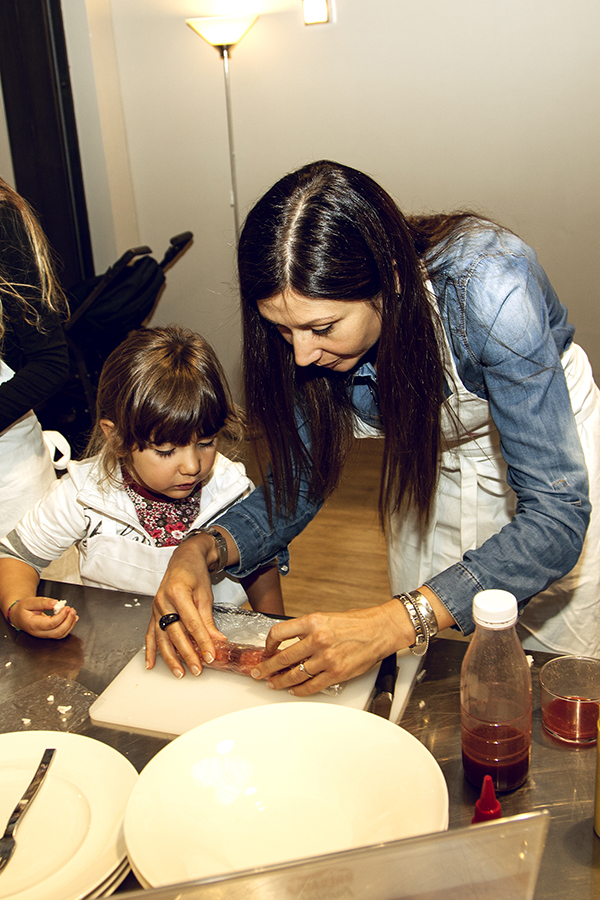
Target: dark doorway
(40, 117)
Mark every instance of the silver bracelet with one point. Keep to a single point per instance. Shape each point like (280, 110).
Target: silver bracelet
(421, 644)
(220, 543)
(425, 609)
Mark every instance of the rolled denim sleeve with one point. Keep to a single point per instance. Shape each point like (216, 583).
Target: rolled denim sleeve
(510, 329)
(258, 537)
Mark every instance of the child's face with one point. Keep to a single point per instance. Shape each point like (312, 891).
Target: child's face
(171, 470)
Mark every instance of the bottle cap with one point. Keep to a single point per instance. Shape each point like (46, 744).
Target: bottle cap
(495, 609)
(487, 807)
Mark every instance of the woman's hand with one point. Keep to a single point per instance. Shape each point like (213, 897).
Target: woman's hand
(186, 589)
(27, 614)
(333, 647)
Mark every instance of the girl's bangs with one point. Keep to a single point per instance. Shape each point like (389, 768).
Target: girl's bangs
(191, 414)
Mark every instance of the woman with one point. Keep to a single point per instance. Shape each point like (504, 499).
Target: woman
(34, 360)
(444, 334)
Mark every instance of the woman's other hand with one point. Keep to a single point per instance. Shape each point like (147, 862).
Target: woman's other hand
(30, 614)
(186, 590)
(333, 647)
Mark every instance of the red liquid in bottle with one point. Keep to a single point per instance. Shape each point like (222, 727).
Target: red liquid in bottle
(501, 751)
(572, 721)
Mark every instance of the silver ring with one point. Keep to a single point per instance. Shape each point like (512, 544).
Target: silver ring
(303, 670)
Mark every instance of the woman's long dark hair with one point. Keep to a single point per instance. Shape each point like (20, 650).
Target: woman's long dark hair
(330, 232)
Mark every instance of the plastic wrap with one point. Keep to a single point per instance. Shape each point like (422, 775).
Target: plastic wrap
(240, 658)
(246, 632)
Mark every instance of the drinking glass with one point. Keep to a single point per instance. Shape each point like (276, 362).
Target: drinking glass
(570, 695)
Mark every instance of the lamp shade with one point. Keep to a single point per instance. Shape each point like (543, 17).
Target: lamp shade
(222, 31)
(315, 12)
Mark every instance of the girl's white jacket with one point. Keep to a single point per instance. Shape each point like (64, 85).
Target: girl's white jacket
(115, 551)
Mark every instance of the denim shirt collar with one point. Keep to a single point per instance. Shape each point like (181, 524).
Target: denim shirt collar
(363, 389)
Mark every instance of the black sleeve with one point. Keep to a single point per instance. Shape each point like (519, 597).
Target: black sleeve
(38, 354)
(40, 360)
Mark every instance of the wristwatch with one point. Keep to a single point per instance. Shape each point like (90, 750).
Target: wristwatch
(220, 542)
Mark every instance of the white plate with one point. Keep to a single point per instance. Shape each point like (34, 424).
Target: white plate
(276, 783)
(71, 839)
(108, 887)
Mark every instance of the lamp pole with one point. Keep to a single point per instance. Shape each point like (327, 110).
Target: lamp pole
(223, 33)
(224, 50)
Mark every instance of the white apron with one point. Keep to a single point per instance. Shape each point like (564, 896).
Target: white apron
(114, 560)
(26, 467)
(474, 501)
(118, 563)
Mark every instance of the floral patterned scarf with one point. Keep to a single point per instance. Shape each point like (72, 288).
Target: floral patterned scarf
(166, 520)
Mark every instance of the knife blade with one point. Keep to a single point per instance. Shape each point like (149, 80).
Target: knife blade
(385, 684)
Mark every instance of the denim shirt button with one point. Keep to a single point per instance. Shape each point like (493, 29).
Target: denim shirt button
(284, 568)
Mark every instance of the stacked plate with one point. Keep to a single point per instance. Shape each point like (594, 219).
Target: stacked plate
(70, 845)
(272, 784)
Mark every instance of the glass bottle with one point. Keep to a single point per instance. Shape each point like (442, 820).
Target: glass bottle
(495, 696)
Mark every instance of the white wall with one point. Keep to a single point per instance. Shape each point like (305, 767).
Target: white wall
(464, 103)
(101, 129)
(6, 168)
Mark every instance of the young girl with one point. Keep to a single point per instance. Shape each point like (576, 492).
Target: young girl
(153, 475)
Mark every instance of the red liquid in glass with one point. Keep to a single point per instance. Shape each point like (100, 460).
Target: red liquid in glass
(572, 721)
(501, 751)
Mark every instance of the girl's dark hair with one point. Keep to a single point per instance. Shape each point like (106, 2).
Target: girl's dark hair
(160, 386)
(330, 232)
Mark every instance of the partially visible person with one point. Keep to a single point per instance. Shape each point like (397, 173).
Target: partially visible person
(34, 359)
(153, 475)
(443, 335)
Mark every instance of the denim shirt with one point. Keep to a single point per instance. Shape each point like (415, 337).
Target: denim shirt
(507, 330)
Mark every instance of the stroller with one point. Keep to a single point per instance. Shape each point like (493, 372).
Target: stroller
(104, 310)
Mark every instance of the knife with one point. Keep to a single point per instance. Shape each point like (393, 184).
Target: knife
(385, 684)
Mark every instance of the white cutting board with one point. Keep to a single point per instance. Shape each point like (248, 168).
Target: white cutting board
(155, 702)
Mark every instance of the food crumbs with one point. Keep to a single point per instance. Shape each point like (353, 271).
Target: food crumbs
(51, 698)
(63, 709)
(421, 704)
(128, 604)
(6, 665)
(26, 721)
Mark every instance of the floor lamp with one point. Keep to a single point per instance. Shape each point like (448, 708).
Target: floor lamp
(223, 32)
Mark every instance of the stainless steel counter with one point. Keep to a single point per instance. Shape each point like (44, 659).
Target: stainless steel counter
(561, 779)
(111, 630)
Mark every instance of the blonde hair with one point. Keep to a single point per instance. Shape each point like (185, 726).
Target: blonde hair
(27, 273)
(162, 385)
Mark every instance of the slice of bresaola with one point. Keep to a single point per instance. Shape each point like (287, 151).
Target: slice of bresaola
(240, 658)
(243, 658)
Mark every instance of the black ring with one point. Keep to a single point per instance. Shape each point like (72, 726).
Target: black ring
(167, 620)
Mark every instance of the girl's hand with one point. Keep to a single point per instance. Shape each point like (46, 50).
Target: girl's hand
(186, 589)
(28, 615)
(333, 647)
